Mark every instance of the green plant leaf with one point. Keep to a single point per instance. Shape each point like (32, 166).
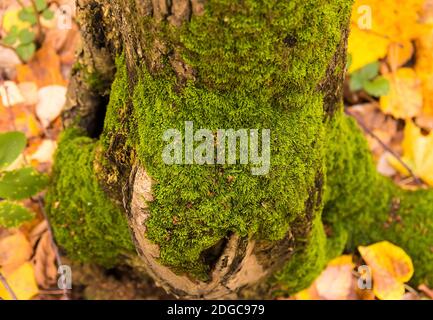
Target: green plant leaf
(356, 82)
(26, 36)
(12, 215)
(21, 184)
(12, 36)
(370, 71)
(27, 14)
(26, 51)
(40, 5)
(377, 87)
(11, 146)
(48, 14)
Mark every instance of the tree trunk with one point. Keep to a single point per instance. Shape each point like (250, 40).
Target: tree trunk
(218, 231)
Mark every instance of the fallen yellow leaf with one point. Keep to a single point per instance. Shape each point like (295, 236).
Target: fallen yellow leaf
(22, 282)
(399, 53)
(417, 153)
(10, 19)
(391, 267)
(404, 99)
(365, 47)
(373, 29)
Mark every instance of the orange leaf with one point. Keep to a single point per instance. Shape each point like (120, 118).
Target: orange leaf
(43, 69)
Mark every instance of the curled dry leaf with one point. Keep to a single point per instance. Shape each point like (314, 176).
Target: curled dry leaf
(51, 102)
(44, 262)
(391, 267)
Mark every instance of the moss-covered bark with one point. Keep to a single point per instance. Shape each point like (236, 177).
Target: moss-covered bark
(266, 64)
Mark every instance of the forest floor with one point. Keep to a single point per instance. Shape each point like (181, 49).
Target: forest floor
(388, 90)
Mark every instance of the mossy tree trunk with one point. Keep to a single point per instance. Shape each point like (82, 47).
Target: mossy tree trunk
(217, 231)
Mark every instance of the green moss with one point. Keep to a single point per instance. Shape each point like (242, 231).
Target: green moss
(307, 262)
(86, 223)
(91, 77)
(117, 106)
(365, 207)
(257, 66)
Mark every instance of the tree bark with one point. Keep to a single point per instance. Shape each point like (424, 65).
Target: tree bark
(146, 66)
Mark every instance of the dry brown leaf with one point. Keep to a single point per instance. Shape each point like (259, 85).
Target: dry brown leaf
(44, 262)
(37, 232)
(426, 290)
(383, 126)
(15, 249)
(391, 267)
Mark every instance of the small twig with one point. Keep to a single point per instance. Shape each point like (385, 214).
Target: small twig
(4, 45)
(21, 4)
(410, 289)
(38, 19)
(384, 146)
(8, 288)
(53, 243)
